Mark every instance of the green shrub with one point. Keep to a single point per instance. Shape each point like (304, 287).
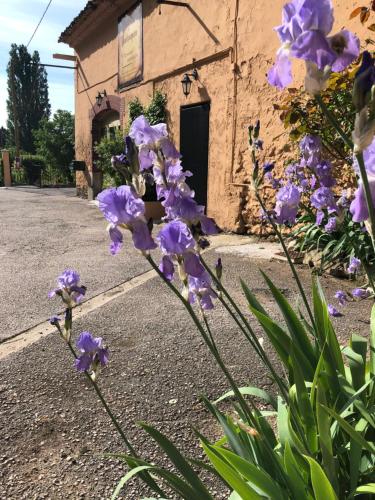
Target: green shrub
(110, 146)
(31, 170)
(135, 109)
(302, 116)
(155, 112)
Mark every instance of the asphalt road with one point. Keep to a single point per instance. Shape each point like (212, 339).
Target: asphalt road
(54, 432)
(42, 232)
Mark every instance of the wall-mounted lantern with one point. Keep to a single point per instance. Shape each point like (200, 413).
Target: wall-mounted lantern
(186, 81)
(99, 98)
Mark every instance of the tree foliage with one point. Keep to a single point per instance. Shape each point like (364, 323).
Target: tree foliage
(27, 102)
(54, 141)
(155, 112)
(110, 145)
(3, 137)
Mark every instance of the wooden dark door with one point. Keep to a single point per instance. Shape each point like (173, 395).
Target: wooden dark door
(194, 137)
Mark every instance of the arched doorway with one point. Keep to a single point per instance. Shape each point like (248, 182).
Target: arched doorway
(105, 120)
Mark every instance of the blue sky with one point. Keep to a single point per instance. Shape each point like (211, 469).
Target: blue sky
(18, 19)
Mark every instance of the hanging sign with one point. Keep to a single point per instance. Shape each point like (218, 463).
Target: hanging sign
(130, 44)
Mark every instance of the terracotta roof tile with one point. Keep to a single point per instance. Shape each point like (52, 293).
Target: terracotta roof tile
(84, 14)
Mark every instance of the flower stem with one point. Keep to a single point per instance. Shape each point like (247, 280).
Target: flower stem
(208, 342)
(366, 187)
(254, 341)
(331, 117)
(106, 407)
(145, 476)
(289, 259)
(208, 328)
(249, 334)
(362, 168)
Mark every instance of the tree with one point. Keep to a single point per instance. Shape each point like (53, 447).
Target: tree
(54, 141)
(3, 137)
(27, 102)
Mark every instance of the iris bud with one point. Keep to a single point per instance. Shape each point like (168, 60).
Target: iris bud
(219, 269)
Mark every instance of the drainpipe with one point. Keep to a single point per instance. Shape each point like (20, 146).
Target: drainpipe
(235, 85)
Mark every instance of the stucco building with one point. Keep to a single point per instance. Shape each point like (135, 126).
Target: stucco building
(126, 49)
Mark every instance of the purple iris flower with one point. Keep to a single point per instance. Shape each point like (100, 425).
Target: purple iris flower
(121, 158)
(93, 352)
(323, 198)
(354, 265)
(116, 239)
(363, 82)
(54, 319)
(287, 203)
(333, 311)
(172, 172)
(319, 217)
(121, 206)
(275, 183)
(292, 170)
(182, 207)
(280, 75)
(369, 159)
(360, 293)
(178, 198)
(263, 215)
(304, 35)
(193, 265)
(358, 206)
(150, 138)
(145, 134)
(311, 148)
(268, 167)
(141, 236)
(341, 297)
(200, 290)
(295, 173)
(313, 182)
(175, 238)
(323, 171)
(146, 157)
(167, 267)
(344, 200)
(68, 287)
(331, 225)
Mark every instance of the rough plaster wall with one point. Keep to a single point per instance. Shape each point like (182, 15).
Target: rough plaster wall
(257, 45)
(172, 40)
(177, 35)
(97, 68)
(213, 86)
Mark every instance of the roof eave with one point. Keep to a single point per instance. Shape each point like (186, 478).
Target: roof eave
(67, 36)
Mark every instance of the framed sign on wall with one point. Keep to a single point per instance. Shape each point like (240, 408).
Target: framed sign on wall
(130, 46)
